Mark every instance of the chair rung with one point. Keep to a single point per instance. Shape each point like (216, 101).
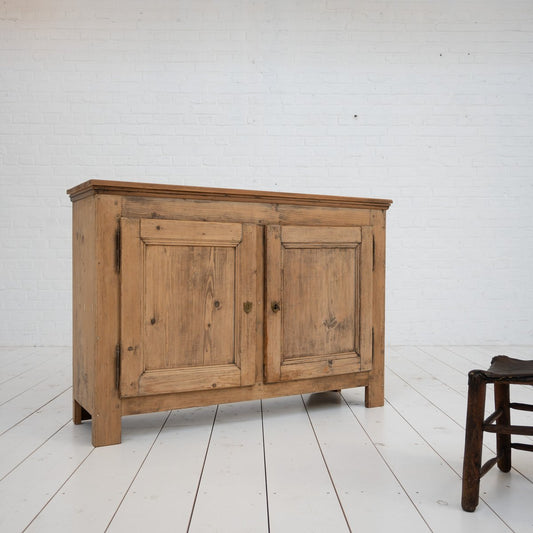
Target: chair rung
(520, 446)
(504, 429)
(521, 406)
(487, 466)
(494, 416)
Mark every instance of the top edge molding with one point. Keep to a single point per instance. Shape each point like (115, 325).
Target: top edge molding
(125, 188)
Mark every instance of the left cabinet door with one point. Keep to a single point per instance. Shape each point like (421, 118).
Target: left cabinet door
(188, 305)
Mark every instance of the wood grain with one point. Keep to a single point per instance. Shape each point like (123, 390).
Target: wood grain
(186, 232)
(164, 402)
(106, 428)
(131, 307)
(318, 314)
(125, 188)
(192, 288)
(246, 304)
(84, 291)
(221, 295)
(316, 276)
(273, 287)
(366, 298)
(198, 306)
(246, 212)
(322, 236)
(375, 392)
(333, 364)
(189, 379)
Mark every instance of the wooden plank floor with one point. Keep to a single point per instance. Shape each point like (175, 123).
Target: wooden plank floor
(314, 463)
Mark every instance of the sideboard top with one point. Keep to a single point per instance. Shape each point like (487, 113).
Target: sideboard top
(125, 188)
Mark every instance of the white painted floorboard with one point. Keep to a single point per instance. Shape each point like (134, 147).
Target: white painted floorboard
(232, 488)
(301, 495)
(166, 484)
(314, 463)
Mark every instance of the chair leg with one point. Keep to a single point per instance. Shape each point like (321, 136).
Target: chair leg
(503, 442)
(473, 440)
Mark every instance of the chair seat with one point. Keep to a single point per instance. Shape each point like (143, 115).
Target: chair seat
(506, 368)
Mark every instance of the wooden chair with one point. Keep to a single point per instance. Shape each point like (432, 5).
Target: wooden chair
(503, 371)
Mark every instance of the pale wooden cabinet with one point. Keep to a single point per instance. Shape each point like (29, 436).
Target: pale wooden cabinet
(188, 296)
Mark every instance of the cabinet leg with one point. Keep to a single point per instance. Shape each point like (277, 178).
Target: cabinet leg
(79, 413)
(374, 393)
(106, 429)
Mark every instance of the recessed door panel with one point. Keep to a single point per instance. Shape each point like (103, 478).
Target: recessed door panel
(189, 281)
(319, 301)
(318, 281)
(184, 287)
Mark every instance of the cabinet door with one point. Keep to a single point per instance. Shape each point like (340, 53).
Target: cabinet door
(318, 301)
(188, 305)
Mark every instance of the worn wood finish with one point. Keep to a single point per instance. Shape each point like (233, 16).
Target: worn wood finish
(260, 304)
(188, 308)
(364, 296)
(84, 291)
(503, 441)
(375, 391)
(232, 211)
(318, 305)
(106, 427)
(319, 301)
(124, 188)
(187, 233)
(186, 296)
(320, 237)
(503, 372)
(473, 441)
(273, 287)
(246, 305)
(164, 402)
(79, 413)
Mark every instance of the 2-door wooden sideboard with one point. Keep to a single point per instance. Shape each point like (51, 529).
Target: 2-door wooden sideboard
(189, 296)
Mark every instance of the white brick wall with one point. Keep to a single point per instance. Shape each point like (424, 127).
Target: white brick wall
(262, 94)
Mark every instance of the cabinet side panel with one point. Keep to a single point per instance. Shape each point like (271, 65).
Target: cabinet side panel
(83, 300)
(375, 392)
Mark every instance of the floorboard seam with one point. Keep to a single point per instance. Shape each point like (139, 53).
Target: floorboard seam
(138, 470)
(388, 466)
(202, 471)
(327, 467)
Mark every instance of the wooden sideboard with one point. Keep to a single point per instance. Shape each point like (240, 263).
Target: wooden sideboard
(189, 296)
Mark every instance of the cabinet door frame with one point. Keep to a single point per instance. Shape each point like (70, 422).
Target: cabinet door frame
(280, 238)
(136, 234)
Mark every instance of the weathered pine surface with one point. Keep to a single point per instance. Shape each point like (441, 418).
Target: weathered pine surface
(313, 463)
(169, 300)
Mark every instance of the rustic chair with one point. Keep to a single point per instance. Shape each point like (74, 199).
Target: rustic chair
(503, 371)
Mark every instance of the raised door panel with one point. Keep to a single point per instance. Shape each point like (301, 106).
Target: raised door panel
(319, 301)
(188, 305)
